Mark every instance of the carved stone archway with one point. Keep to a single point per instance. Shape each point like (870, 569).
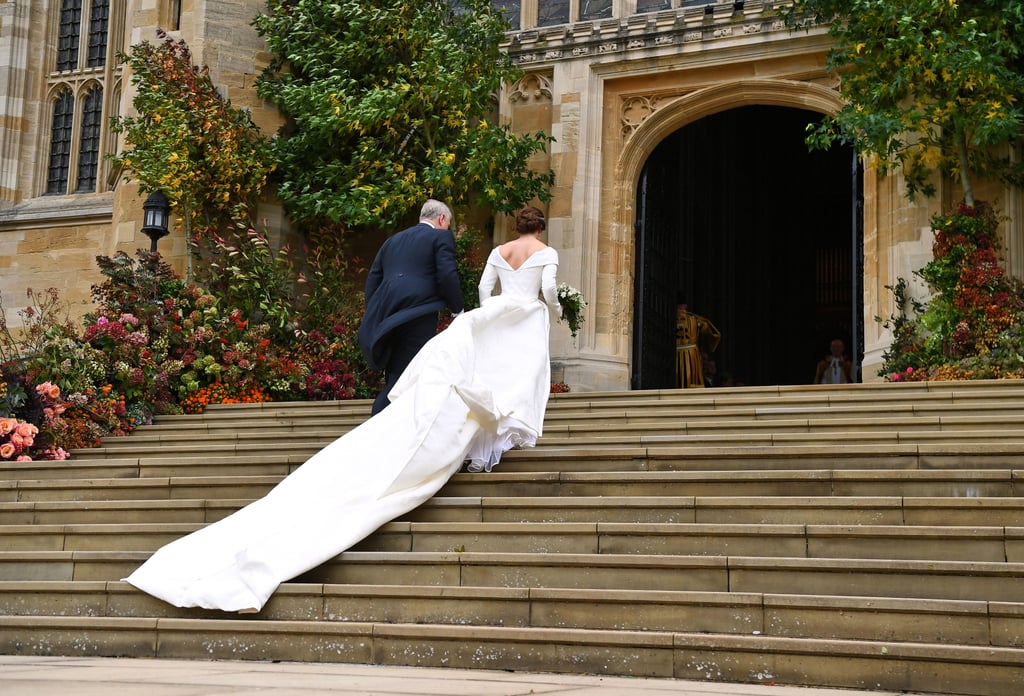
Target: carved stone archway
(664, 117)
(647, 121)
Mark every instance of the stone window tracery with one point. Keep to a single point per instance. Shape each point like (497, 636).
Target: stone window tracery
(84, 67)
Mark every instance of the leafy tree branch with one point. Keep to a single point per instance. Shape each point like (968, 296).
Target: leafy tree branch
(391, 103)
(930, 85)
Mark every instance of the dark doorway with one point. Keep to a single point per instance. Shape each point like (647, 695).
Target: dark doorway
(756, 233)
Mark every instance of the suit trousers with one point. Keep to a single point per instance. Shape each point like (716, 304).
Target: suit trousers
(406, 342)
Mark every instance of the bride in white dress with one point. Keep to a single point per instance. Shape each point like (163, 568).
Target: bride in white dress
(473, 392)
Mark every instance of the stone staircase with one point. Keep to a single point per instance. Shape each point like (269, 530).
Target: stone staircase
(868, 536)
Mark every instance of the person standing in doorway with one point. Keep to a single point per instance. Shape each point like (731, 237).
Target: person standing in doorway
(834, 368)
(412, 278)
(694, 334)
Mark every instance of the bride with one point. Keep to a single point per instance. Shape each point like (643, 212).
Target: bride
(474, 391)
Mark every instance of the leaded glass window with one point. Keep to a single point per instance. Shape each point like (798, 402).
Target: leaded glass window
(551, 12)
(84, 72)
(512, 10)
(595, 9)
(89, 144)
(68, 34)
(60, 143)
(98, 19)
(653, 5)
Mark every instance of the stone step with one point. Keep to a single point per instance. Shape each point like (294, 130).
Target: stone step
(789, 509)
(919, 667)
(609, 413)
(865, 541)
(779, 615)
(867, 536)
(719, 404)
(969, 483)
(920, 579)
(311, 438)
(956, 483)
(255, 460)
(922, 394)
(644, 414)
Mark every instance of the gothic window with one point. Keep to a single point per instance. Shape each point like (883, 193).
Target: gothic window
(654, 5)
(84, 68)
(512, 10)
(98, 17)
(595, 9)
(60, 142)
(551, 12)
(89, 143)
(70, 31)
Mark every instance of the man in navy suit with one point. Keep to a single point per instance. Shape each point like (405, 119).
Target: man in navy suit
(412, 278)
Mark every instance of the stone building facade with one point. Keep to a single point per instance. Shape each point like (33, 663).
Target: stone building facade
(618, 84)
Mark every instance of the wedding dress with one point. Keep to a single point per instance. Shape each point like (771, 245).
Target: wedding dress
(474, 391)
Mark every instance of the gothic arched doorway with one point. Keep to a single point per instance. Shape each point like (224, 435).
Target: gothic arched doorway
(756, 233)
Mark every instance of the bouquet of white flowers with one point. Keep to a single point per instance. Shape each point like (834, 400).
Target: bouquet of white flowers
(573, 305)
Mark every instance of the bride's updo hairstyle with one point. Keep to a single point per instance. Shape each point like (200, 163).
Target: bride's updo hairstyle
(530, 220)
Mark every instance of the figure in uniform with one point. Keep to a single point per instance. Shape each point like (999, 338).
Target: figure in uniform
(694, 334)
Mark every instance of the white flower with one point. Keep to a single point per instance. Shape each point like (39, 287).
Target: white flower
(573, 305)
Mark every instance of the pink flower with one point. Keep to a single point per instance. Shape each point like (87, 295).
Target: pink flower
(909, 370)
(137, 338)
(48, 389)
(23, 458)
(7, 425)
(27, 431)
(7, 450)
(102, 321)
(896, 377)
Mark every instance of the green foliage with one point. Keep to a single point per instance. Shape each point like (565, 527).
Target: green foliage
(207, 157)
(469, 261)
(391, 103)
(244, 272)
(46, 330)
(973, 325)
(929, 85)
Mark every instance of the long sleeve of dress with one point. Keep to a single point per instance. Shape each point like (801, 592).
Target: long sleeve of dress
(549, 288)
(487, 281)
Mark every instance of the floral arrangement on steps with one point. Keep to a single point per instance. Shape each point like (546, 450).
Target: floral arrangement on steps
(155, 344)
(973, 325)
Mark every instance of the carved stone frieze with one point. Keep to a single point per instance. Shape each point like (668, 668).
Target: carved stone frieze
(643, 32)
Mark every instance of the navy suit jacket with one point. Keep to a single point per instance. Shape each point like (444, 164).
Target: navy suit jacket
(413, 274)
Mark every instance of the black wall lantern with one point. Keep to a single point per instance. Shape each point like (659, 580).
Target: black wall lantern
(156, 213)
